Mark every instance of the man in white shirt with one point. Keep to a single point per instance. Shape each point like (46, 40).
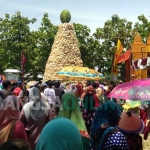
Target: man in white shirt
(50, 93)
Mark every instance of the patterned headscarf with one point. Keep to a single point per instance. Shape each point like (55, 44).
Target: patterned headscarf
(107, 114)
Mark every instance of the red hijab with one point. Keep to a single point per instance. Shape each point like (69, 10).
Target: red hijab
(9, 111)
(79, 90)
(90, 89)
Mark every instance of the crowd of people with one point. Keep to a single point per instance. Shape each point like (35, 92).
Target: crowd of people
(66, 116)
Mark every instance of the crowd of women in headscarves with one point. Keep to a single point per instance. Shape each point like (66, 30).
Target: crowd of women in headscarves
(54, 116)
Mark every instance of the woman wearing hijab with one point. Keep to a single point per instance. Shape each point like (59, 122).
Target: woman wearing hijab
(88, 109)
(79, 90)
(10, 126)
(84, 93)
(23, 97)
(35, 115)
(60, 134)
(71, 110)
(97, 97)
(104, 133)
(71, 88)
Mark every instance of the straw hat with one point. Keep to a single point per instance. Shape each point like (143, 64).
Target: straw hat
(130, 123)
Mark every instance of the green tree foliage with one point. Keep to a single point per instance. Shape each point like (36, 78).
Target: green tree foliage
(15, 36)
(43, 38)
(96, 50)
(142, 27)
(114, 29)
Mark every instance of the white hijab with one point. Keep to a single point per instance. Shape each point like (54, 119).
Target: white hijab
(72, 89)
(36, 109)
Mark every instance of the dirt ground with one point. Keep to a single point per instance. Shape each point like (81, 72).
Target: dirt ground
(146, 143)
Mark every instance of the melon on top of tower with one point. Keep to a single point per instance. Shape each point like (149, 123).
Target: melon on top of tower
(65, 50)
(65, 16)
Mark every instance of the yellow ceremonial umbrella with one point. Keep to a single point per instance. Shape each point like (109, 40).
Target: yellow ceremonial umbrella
(78, 73)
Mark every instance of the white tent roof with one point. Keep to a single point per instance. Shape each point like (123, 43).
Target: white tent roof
(12, 70)
(40, 76)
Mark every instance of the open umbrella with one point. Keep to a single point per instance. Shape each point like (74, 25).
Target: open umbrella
(134, 90)
(78, 73)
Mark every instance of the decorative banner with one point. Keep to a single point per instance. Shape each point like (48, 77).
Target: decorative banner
(125, 56)
(119, 49)
(141, 63)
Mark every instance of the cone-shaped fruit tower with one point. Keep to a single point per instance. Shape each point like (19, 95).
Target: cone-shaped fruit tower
(65, 50)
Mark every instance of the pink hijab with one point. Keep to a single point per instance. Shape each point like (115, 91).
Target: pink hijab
(90, 89)
(8, 111)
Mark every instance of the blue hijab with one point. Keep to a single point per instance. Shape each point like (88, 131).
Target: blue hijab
(60, 134)
(108, 113)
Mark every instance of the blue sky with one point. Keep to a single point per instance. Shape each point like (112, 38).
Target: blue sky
(92, 13)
